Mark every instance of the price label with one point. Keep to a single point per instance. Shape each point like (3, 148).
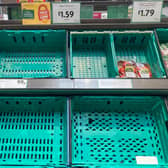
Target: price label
(146, 11)
(13, 83)
(66, 12)
(115, 83)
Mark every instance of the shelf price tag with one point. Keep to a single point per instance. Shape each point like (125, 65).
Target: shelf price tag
(66, 12)
(146, 11)
(13, 83)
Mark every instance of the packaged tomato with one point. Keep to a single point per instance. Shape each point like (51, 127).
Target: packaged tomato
(164, 49)
(130, 69)
(144, 70)
(121, 69)
(166, 64)
(127, 69)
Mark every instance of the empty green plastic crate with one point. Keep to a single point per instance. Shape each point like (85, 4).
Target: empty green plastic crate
(32, 131)
(91, 55)
(32, 54)
(114, 131)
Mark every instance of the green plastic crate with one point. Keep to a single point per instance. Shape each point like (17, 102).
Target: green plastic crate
(162, 35)
(32, 131)
(91, 55)
(32, 54)
(119, 166)
(140, 47)
(86, 12)
(16, 13)
(111, 131)
(95, 55)
(117, 12)
(163, 38)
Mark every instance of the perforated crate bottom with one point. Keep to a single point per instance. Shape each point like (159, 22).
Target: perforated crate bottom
(115, 131)
(31, 65)
(31, 131)
(90, 63)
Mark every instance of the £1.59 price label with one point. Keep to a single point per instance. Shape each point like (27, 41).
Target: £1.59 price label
(66, 12)
(146, 11)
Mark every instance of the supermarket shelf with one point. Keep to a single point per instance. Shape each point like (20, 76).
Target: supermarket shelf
(83, 21)
(85, 86)
(4, 22)
(106, 24)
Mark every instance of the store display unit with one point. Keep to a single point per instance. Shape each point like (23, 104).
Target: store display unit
(64, 102)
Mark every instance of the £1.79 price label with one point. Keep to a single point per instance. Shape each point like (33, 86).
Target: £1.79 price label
(146, 11)
(66, 12)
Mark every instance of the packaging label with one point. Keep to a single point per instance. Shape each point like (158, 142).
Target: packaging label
(146, 160)
(18, 1)
(28, 14)
(36, 13)
(96, 15)
(129, 71)
(43, 13)
(38, 0)
(130, 75)
(144, 73)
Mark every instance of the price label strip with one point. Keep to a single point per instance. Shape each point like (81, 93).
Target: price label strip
(66, 13)
(146, 11)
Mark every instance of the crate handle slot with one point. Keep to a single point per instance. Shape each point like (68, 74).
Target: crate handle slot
(23, 39)
(121, 102)
(103, 40)
(42, 39)
(85, 40)
(143, 39)
(14, 39)
(34, 39)
(132, 40)
(108, 102)
(167, 125)
(124, 39)
(93, 40)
